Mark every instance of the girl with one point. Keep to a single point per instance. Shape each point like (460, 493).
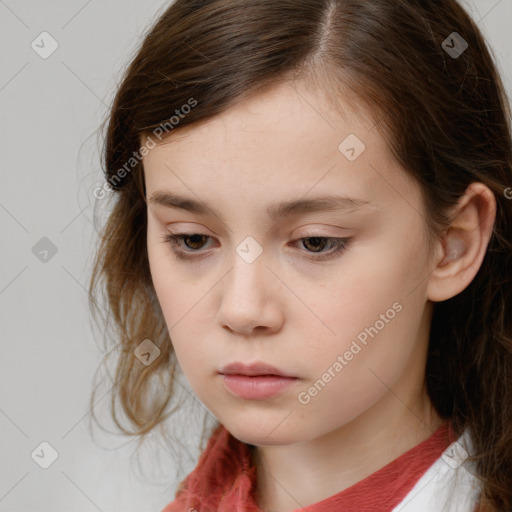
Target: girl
(313, 218)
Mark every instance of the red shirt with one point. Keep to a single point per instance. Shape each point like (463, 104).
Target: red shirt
(383, 490)
(225, 479)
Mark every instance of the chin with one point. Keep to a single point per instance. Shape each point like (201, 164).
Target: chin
(264, 433)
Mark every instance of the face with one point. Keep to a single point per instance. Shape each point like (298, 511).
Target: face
(332, 294)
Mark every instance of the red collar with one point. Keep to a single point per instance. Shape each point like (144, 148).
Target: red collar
(224, 479)
(383, 490)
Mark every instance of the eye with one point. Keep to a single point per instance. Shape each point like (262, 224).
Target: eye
(176, 240)
(314, 244)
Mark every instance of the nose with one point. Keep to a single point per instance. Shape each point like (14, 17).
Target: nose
(249, 302)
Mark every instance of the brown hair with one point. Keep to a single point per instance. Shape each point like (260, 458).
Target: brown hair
(446, 119)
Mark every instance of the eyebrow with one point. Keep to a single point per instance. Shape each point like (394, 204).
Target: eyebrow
(274, 211)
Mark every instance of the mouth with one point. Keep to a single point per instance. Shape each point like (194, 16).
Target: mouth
(258, 381)
(254, 370)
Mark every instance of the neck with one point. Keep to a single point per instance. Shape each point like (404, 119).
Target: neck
(301, 474)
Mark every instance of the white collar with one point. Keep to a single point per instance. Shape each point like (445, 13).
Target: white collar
(449, 485)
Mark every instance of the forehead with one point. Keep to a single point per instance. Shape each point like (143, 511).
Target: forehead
(277, 144)
(293, 111)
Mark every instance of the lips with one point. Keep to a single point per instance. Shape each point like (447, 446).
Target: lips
(255, 369)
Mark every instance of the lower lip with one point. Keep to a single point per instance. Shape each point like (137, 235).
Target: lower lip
(257, 388)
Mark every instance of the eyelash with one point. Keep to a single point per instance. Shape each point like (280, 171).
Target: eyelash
(341, 244)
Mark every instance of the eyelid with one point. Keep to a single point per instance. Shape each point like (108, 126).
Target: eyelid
(340, 245)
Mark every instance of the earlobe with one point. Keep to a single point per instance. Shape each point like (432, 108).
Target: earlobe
(464, 245)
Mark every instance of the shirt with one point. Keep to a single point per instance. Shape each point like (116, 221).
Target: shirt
(433, 476)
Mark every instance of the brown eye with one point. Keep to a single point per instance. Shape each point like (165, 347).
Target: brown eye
(195, 239)
(194, 242)
(315, 244)
(188, 246)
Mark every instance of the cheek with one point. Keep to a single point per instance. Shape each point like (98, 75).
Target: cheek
(325, 406)
(183, 299)
(363, 293)
(186, 320)
(351, 373)
(375, 320)
(174, 283)
(174, 295)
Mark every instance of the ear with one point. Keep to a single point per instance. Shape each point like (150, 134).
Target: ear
(461, 251)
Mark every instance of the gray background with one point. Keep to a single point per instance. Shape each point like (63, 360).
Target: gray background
(50, 111)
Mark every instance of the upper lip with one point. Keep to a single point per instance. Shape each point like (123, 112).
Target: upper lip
(252, 369)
